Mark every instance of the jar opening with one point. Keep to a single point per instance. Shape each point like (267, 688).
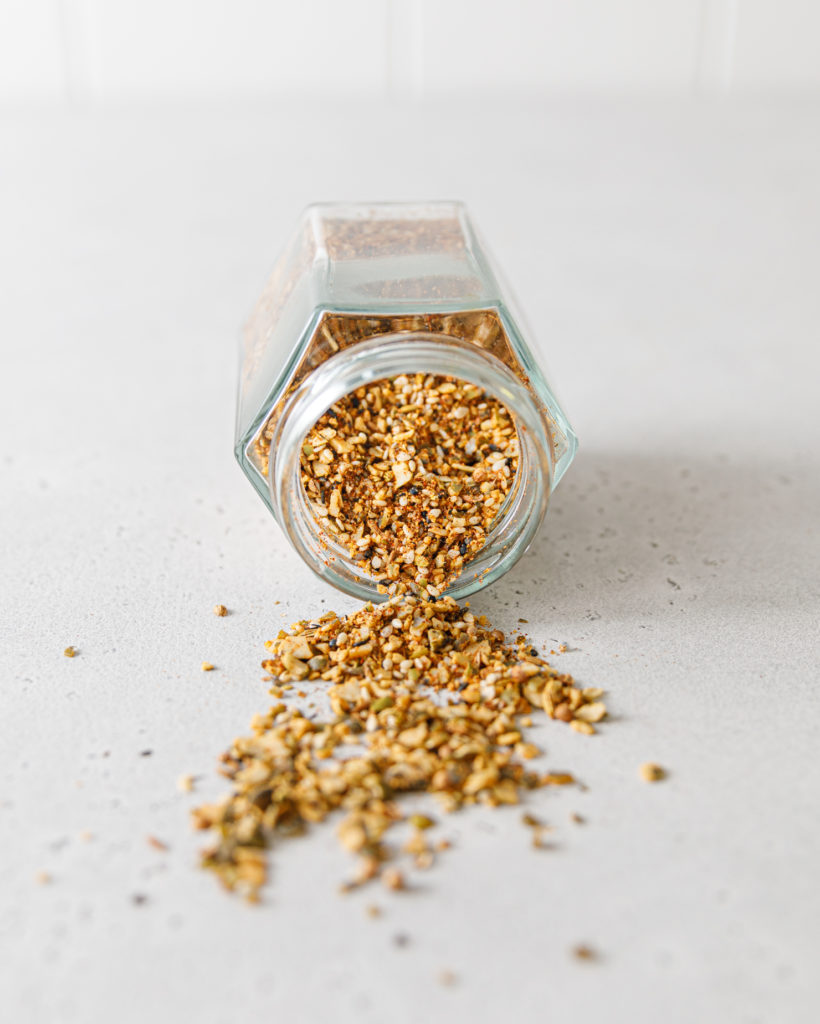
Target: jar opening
(389, 356)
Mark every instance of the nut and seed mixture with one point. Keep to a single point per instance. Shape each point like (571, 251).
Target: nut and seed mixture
(422, 696)
(651, 772)
(408, 474)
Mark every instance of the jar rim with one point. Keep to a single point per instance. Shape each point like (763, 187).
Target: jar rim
(388, 356)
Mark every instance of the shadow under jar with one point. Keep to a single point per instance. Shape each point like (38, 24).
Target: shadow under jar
(370, 292)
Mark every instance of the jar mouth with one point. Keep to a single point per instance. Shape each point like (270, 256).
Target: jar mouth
(387, 356)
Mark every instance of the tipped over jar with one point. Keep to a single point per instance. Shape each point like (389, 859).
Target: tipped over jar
(391, 414)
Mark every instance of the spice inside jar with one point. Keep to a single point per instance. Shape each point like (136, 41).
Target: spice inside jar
(365, 296)
(408, 474)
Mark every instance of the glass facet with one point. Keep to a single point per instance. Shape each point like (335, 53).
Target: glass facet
(355, 272)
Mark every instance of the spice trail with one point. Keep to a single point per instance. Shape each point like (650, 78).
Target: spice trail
(408, 475)
(424, 696)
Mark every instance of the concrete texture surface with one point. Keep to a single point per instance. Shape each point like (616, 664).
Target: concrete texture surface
(667, 255)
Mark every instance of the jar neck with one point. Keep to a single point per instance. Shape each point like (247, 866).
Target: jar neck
(388, 356)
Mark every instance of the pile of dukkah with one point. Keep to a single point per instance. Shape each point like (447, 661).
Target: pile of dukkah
(422, 696)
(408, 475)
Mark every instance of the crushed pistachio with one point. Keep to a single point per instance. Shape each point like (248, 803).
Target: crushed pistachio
(453, 729)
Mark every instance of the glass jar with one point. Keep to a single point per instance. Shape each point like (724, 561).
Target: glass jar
(365, 292)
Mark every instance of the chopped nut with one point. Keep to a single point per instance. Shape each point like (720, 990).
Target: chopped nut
(220, 610)
(652, 772)
(185, 783)
(593, 712)
(207, 666)
(70, 652)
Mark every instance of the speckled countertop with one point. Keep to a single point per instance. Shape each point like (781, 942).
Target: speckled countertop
(668, 255)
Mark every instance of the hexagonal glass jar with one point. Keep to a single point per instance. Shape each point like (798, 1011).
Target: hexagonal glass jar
(369, 291)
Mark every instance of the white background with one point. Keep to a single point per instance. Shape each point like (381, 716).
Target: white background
(80, 51)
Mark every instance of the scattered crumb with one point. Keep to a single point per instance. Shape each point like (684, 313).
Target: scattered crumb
(584, 952)
(157, 844)
(146, 753)
(539, 829)
(393, 879)
(366, 870)
(71, 652)
(467, 749)
(652, 772)
(185, 783)
(447, 978)
(577, 819)
(42, 878)
(85, 836)
(220, 610)
(401, 939)
(373, 911)
(207, 666)
(139, 899)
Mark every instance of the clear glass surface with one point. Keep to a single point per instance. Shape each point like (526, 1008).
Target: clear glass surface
(356, 273)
